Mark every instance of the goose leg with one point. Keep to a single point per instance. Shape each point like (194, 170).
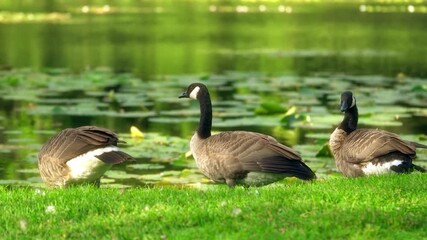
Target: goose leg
(230, 182)
(97, 183)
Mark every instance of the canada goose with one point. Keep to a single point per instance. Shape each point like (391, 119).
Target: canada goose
(79, 155)
(239, 157)
(360, 152)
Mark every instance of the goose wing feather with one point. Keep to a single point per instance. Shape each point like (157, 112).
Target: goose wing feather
(248, 151)
(248, 146)
(363, 145)
(72, 142)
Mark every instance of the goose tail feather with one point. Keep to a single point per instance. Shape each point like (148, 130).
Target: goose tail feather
(115, 157)
(419, 145)
(418, 168)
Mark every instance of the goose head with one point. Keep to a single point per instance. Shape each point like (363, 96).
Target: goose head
(348, 101)
(199, 92)
(194, 91)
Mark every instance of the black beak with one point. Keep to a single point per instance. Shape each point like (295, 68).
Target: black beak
(183, 95)
(344, 106)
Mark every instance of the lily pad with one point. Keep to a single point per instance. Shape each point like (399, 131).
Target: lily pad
(33, 170)
(266, 108)
(325, 151)
(117, 174)
(146, 166)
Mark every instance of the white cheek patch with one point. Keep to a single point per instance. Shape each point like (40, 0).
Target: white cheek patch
(353, 102)
(194, 93)
(371, 169)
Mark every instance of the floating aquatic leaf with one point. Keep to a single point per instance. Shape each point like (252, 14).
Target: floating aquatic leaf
(247, 97)
(380, 120)
(182, 177)
(12, 182)
(181, 112)
(308, 150)
(324, 137)
(269, 108)
(173, 120)
(33, 170)
(419, 88)
(185, 163)
(420, 112)
(323, 121)
(129, 114)
(146, 166)
(107, 180)
(420, 138)
(117, 174)
(255, 121)
(290, 136)
(34, 180)
(291, 117)
(21, 140)
(232, 113)
(116, 185)
(325, 151)
(157, 147)
(151, 177)
(315, 82)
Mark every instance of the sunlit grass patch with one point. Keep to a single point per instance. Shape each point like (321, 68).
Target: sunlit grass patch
(386, 207)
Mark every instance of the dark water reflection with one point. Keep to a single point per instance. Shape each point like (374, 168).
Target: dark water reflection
(152, 38)
(159, 42)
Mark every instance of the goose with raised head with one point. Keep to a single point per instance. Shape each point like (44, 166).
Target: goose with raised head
(240, 157)
(79, 155)
(360, 152)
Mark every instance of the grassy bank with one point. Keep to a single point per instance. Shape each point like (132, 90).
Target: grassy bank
(386, 207)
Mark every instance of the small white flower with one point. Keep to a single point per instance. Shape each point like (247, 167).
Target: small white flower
(50, 209)
(23, 224)
(237, 211)
(39, 191)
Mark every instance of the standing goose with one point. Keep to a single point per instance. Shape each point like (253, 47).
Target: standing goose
(239, 157)
(360, 152)
(79, 155)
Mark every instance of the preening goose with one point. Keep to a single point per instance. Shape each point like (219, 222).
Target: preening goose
(79, 155)
(239, 157)
(360, 152)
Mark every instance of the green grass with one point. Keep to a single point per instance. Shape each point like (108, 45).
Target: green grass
(385, 207)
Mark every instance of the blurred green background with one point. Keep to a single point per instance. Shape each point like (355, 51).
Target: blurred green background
(150, 38)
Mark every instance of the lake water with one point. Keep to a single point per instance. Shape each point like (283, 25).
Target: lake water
(70, 64)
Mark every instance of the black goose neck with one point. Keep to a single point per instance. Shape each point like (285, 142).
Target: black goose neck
(351, 117)
(205, 124)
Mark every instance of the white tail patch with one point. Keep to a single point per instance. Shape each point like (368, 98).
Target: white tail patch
(371, 169)
(194, 93)
(87, 167)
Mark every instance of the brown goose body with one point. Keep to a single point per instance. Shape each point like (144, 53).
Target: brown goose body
(240, 157)
(79, 155)
(360, 152)
(246, 158)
